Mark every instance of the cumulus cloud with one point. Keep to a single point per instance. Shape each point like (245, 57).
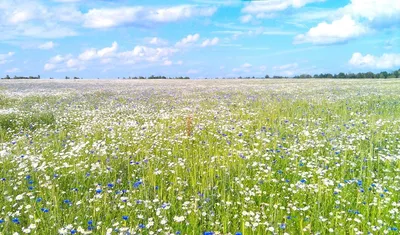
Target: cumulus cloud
(91, 54)
(210, 42)
(188, 40)
(177, 13)
(386, 61)
(113, 17)
(157, 41)
(373, 9)
(4, 58)
(338, 31)
(47, 46)
(255, 7)
(354, 20)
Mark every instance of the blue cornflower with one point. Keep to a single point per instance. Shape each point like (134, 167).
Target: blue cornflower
(66, 201)
(156, 188)
(27, 177)
(90, 222)
(137, 184)
(142, 226)
(393, 229)
(98, 191)
(39, 199)
(125, 217)
(238, 233)
(30, 188)
(178, 233)
(30, 182)
(56, 175)
(282, 226)
(45, 210)
(208, 233)
(1, 221)
(303, 181)
(110, 185)
(73, 231)
(15, 221)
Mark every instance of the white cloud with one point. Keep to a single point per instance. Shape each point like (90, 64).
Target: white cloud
(246, 18)
(373, 9)
(4, 58)
(286, 66)
(157, 41)
(354, 20)
(386, 61)
(188, 40)
(167, 62)
(49, 67)
(113, 17)
(144, 53)
(47, 46)
(106, 18)
(210, 42)
(340, 30)
(91, 54)
(255, 7)
(243, 68)
(246, 65)
(177, 13)
(13, 70)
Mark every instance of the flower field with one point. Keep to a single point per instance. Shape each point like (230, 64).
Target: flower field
(200, 157)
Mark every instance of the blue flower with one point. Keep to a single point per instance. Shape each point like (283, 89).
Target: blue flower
(1, 221)
(178, 233)
(137, 184)
(208, 233)
(282, 226)
(238, 233)
(98, 191)
(110, 185)
(66, 201)
(73, 231)
(39, 199)
(90, 222)
(15, 221)
(303, 181)
(27, 177)
(142, 226)
(125, 217)
(45, 210)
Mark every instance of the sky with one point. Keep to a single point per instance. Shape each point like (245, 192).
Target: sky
(197, 38)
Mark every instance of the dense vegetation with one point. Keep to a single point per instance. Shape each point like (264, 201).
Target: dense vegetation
(205, 157)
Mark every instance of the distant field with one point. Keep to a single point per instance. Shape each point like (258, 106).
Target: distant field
(200, 157)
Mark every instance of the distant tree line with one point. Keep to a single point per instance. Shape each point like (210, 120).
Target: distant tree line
(15, 77)
(381, 75)
(154, 77)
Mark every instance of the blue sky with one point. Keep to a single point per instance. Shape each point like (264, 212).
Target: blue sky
(197, 38)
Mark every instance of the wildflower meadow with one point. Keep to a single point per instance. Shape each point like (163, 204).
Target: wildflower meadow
(205, 157)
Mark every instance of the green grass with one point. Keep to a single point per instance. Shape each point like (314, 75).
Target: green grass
(281, 156)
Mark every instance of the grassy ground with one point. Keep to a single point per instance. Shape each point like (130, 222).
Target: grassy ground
(191, 157)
